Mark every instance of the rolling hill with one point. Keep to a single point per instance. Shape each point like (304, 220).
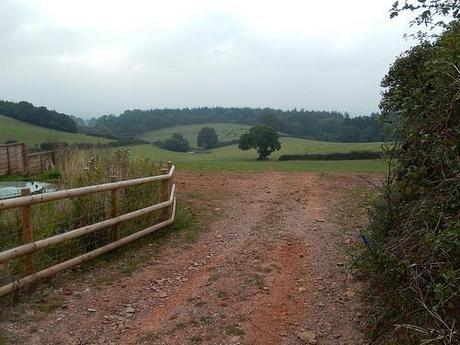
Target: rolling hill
(232, 158)
(11, 129)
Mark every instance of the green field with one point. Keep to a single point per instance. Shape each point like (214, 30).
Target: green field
(231, 158)
(223, 158)
(11, 129)
(225, 132)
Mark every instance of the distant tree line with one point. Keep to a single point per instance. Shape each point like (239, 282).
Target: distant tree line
(40, 116)
(320, 125)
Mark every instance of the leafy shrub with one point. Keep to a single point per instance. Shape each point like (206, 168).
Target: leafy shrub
(413, 260)
(176, 143)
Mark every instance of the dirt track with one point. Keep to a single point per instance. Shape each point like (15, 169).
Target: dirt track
(268, 270)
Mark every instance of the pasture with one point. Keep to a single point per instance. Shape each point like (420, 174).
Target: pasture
(225, 132)
(232, 158)
(11, 129)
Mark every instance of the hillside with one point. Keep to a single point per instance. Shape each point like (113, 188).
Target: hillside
(225, 132)
(39, 116)
(318, 125)
(11, 129)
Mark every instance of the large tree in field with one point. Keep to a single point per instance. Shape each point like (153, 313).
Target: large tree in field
(207, 138)
(263, 139)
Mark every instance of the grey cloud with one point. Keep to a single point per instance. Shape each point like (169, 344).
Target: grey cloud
(213, 61)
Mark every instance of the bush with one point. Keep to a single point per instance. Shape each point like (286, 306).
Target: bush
(353, 155)
(176, 143)
(46, 146)
(413, 260)
(126, 142)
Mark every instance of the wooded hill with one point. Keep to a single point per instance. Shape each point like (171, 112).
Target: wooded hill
(40, 116)
(320, 125)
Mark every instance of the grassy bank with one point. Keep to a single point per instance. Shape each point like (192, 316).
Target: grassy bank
(11, 129)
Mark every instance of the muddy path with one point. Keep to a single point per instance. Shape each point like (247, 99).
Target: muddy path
(267, 269)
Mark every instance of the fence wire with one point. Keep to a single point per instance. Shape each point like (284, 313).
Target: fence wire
(58, 217)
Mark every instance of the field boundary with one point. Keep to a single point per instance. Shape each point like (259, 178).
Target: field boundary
(30, 246)
(15, 160)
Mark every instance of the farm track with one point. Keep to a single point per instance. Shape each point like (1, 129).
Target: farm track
(269, 269)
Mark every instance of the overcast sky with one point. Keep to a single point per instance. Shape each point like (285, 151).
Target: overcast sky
(94, 57)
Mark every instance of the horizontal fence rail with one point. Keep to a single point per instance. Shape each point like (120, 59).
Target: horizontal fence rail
(28, 249)
(69, 193)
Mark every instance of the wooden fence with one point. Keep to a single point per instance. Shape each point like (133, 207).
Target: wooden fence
(31, 246)
(15, 160)
(39, 162)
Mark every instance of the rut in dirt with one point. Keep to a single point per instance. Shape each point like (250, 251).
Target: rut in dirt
(269, 270)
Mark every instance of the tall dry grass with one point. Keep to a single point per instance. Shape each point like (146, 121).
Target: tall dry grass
(78, 169)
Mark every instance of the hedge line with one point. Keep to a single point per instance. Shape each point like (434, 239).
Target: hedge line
(336, 156)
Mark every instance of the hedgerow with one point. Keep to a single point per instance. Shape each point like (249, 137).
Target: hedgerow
(413, 240)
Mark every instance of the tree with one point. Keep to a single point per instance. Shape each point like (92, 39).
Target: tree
(207, 138)
(429, 12)
(263, 139)
(176, 143)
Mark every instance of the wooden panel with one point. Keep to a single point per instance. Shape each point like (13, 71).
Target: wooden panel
(11, 159)
(3, 161)
(15, 160)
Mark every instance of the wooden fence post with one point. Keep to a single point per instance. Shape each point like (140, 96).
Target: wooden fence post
(165, 193)
(27, 235)
(114, 209)
(8, 160)
(169, 165)
(25, 161)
